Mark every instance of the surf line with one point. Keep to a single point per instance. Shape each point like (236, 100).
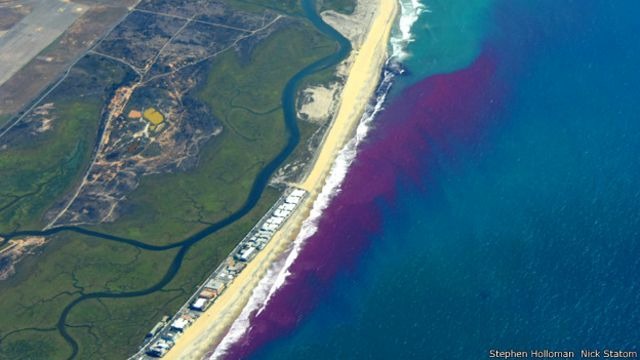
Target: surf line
(277, 274)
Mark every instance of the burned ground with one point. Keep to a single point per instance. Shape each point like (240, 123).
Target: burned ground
(226, 15)
(171, 56)
(212, 11)
(196, 42)
(139, 38)
(133, 147)
(222, 122)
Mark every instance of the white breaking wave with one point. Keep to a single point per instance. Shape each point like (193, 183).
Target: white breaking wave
(278, 272)
(262, 291)
(410, 11)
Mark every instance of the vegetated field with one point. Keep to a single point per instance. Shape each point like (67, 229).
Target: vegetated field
(4, 118)
(170, 55)
(245, 95)
(243, 90)
(343, 6)
(121, 324)
(69, 266)
(289, 7)
(46, 155)
(72, 265)
(34, 177)
(293, 6)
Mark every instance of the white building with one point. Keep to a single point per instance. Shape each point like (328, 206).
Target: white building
(270, 227)
(298, 193)
(293, 199)
(276, 220)
(288, 207)
(179, 324)
(246, 254)
(199, 304)
(281, 213)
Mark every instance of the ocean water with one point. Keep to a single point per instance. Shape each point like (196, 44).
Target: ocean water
(493, 204)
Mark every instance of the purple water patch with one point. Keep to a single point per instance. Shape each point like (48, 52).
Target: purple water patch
(442, 112)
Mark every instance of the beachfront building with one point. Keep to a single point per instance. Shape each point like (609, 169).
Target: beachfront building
(276, 220)
(160, 348)
(200, 304)
(235, 268)
(208, 294)
(225, 276)
(248, 248)
(215, 285)
(295, 196)
(282, 213)
(212, 289)
(170, 336)
(288, 207)
(269, 227)
(181, 323)
(298, 193)
(246, 254)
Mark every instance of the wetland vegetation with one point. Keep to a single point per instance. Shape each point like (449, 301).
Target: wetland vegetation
(89, 297)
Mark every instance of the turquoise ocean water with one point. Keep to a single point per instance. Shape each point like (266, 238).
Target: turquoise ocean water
(496, 203)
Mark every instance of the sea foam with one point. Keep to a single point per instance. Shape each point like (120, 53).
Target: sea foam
(277, 274)
(410, 11)
(279, 271)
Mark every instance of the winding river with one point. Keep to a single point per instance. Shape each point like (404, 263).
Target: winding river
(257, 189)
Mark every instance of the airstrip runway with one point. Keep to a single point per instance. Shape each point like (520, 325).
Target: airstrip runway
(46, 22)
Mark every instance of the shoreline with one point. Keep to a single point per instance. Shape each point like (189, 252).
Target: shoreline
(361, 83)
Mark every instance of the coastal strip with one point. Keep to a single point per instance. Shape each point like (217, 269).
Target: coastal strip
(254, 248)
(358, 90)
(367, 61)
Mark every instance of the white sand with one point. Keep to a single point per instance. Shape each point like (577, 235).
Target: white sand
(360, 85)
(320, 103)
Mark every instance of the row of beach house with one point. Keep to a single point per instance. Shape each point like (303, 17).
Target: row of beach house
(165, 333)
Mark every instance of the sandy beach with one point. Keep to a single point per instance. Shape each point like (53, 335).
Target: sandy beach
(360, 85)
(366, 64)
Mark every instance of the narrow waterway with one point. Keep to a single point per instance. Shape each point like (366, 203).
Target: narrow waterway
(258, 187)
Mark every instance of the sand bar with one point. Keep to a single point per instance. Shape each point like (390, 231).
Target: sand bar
(359, 87)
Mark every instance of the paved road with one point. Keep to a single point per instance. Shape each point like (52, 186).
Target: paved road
(48, 20)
